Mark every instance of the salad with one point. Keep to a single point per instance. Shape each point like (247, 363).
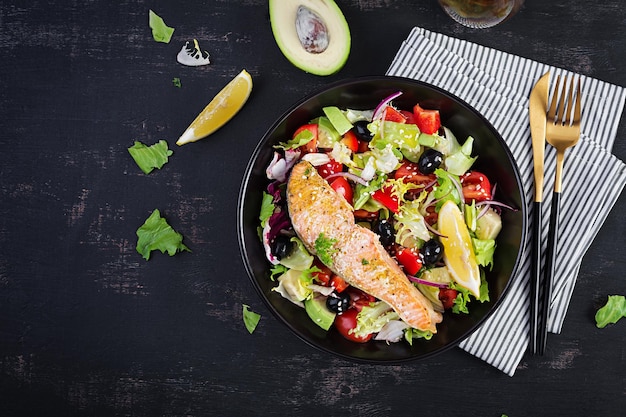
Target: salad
(410, 181)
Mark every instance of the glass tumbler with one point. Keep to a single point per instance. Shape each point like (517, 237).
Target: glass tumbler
(480, 13)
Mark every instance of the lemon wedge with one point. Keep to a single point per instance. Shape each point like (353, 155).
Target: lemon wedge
(220, 110)
(458, 251)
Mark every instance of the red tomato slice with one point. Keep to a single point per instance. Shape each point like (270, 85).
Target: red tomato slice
(476, 186)
(392, 115)
(350, 140)
(384, 197)
(359, 298)
(428, 121)
(330, 168)
(342, 186)
(311, 146)
(447, 296)
(345, 322)
(338, 283)
(409, 172)
(410, 259)
(409, 117)
(324, 274)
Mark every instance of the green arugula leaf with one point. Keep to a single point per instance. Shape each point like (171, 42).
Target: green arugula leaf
(612, 311)
(160, 31)
(250, 318)
(150, 157)
(156, 234)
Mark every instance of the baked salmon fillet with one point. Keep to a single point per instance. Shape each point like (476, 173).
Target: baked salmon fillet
(324, 221)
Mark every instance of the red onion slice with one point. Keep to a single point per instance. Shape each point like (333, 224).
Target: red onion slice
(426, 282)
(381, 106)
(348, 175)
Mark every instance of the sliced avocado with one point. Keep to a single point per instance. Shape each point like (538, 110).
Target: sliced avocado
(319, 313)
(339, 120)
(312, 34)
(327, 135)
(489, 225)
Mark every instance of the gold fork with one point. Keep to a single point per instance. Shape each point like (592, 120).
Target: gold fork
(562, 132)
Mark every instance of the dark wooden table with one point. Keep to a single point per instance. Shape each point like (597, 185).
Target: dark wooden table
(87, 327)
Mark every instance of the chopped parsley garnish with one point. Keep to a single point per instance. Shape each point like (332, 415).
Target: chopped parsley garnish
(364, 261)
(176, 82)
(324, 248)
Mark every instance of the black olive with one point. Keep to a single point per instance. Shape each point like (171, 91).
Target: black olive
(282, 246)
(429, 161)
(338, 302)
(384, 230)
(361, 131)
(432, 252)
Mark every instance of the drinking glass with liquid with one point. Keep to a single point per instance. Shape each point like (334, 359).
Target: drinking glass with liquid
(480, 13)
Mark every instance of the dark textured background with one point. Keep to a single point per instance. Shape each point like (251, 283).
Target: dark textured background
(87, 327)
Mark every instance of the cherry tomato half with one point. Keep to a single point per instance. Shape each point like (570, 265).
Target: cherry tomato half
(447, 296)
(345, 322)
(310, 146)
(342, 187)
(476, 186)
(330, 168)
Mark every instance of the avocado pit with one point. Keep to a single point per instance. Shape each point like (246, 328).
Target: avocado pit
(311, 30)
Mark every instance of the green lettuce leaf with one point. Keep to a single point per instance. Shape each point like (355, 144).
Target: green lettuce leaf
(300, 139)
(160, 31)
(484, 250)
(150, 157)
(267, 208)
(250, 318)
(156, 234)
(612, 311)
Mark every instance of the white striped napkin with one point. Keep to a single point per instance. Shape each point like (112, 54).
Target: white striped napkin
(498, 85)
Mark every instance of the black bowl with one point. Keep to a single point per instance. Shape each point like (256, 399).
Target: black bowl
(494, 159)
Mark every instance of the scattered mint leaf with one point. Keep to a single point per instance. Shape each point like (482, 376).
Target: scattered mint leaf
(150, 157)
(176, 82)
(160, 31)
(156, 234)
(612, 311)
(250, 318)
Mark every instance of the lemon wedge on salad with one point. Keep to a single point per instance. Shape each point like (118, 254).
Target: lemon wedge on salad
(220, 110)
(458, 250)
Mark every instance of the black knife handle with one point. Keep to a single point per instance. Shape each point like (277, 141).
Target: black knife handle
(535, 278)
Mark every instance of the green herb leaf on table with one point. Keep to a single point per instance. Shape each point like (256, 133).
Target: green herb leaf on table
(176, 82)
(612, 311)
(160, 31)
(250, 318)
(156, 234)
(150, 157)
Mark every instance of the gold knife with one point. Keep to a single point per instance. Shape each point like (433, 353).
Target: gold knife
(537, 107)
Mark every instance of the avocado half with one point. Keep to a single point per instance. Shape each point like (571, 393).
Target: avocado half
(312, 34)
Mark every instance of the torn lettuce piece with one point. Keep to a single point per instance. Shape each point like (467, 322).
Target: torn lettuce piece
(484, 250)
(372, 318)
(250, 318)
(294, 286)
(461, 160)
(299, 258)
(412, 333)
(611, 312)
(150, 157)
(447, 188)
(156, 234)
(160, 31)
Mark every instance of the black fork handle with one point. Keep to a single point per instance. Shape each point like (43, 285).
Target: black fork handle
(549, 272)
